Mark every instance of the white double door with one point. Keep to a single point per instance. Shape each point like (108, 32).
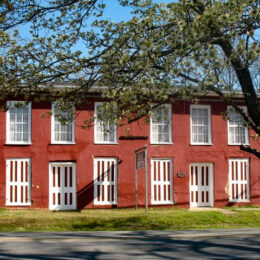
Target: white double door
(201, 185)
(62, 189)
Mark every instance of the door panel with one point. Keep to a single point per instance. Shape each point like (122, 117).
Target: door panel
(201, 185)
(62, 195)
(105, 181)
(239, 180)
(18, 182)
(161, 181)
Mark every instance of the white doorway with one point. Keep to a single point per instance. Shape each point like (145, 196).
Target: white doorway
(62, 189)
(201, 185)
(105, 181)
(161, 181)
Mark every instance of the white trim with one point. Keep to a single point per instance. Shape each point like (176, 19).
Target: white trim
(208, 107)
(169, 108)
(62, 189)
(8, 141)
(19, 183)
(245, 128)
(96, 141)
(105, 182)
(159, 184)
(199, 187)
(239, 182)
(53, 141)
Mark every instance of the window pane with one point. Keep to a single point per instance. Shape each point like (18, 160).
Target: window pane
(161, 125)
(237, 130)
(200, 125)
(18, 124)
(63, 125)
(105, 130)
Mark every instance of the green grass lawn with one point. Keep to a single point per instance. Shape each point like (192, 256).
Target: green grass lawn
(125, 219)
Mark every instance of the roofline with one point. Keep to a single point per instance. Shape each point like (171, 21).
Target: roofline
(96, 88)
(99, 88)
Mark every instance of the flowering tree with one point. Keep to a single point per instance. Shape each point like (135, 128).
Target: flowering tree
(164, 52)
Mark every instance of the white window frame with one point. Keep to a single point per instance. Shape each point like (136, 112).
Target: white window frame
(105, 182)
(239, 182)
(208, 107)
(244, 127)
(161, 183)
(18, 183)
(97, 124)
(8, 141)
(169, 108)
(53, 141)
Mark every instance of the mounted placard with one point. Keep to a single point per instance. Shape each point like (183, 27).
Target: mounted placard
(181, 174)
(140, 160)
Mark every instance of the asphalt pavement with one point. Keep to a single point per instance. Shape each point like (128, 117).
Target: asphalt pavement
(188, 244)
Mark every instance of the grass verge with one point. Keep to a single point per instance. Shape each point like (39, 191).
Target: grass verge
(125, 219)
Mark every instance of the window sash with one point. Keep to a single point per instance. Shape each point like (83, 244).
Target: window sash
(104, 132)
(18, 182)
(18, 123)
(200, 124)
(237, 133)
(62, 134)
(161, 125)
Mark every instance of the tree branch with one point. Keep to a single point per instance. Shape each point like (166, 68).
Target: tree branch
(250, 150)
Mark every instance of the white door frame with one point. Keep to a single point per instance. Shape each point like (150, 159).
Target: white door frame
(241, 166)
(199, 189)
(159, 185)
(19, 188)
(105, 181)
(62, 189)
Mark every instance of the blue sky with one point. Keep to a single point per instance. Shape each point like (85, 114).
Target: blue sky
(113, 11)
(118, 13)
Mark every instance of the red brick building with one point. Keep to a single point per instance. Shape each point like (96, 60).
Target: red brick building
(193, 160)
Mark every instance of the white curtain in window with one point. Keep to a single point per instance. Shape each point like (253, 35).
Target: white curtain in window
(161, 125)
(63, 130)
(236, 127)
(18, 120)
(200, 125)
(105, 130)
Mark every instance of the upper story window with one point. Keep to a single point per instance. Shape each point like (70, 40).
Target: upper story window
(161, 125)
(200, 124)
(237, 131)
(62, 125)
(105, 131)
(18, 123)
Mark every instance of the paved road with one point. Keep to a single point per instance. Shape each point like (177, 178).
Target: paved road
(206, 244)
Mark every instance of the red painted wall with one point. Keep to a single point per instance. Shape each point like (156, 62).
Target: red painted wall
(42, 152)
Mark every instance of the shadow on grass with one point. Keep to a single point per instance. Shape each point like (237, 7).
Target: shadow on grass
(125, 220)
(130, 223)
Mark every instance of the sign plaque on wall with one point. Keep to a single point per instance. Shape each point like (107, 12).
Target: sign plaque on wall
(181, 174)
